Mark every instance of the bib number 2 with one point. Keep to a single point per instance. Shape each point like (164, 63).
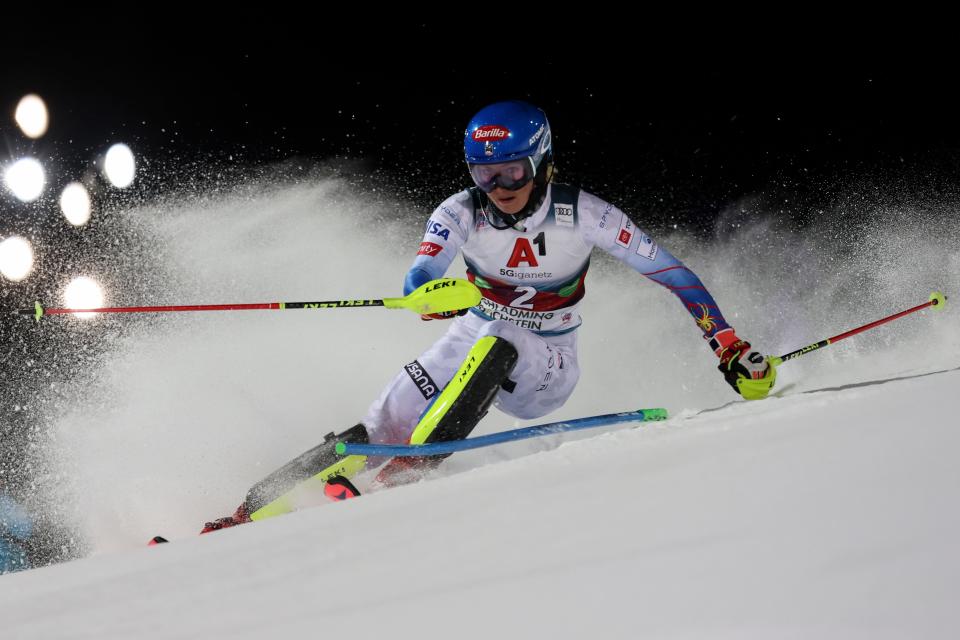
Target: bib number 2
(526, 293)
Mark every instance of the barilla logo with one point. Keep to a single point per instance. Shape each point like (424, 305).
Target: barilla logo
(491, 132)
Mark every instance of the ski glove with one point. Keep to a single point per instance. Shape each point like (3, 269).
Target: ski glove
(747, 371)
(443, 315)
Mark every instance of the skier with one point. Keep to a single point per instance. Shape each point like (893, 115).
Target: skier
(526, 242)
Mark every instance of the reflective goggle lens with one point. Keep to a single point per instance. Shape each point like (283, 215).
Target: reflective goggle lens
(508, 175)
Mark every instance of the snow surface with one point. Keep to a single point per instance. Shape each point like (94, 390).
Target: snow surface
(828, 511)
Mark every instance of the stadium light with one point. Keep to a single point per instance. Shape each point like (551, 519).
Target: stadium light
(119, 166)
(16, 258)
(83, 293)
(75, 204)
(31, 116)
(25, 179)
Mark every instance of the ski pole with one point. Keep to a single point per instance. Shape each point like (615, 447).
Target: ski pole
(408, 450)
(937, 302)
(445, 294)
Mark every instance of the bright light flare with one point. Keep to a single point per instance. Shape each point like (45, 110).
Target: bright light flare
(83, 293)
(25, 179)
(31, 116)
(75, 204)
(119, 166)
(16, 258)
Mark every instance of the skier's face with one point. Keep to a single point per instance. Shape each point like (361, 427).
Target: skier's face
(511, 202)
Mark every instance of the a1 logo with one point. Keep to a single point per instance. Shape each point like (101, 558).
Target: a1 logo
(523, 251)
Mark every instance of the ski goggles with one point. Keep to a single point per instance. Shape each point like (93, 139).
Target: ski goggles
(507, 175)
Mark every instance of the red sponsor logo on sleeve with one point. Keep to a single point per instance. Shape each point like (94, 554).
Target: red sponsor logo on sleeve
(625, 237)
(429, 249)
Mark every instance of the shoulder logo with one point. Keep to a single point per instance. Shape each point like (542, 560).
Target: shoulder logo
(437, 229)
(625, 233)
(429, 249)
(451, 213)
(603, 218)
(647, 247)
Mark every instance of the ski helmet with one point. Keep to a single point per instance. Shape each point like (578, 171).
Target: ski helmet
(508, 144)
(506, 131)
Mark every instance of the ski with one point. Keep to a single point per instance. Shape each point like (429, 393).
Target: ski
(337, 489)
(352, 456)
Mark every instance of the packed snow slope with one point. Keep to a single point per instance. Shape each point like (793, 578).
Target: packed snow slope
(827, 510)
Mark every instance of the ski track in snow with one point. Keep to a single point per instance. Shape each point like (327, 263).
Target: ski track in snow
(816, 515)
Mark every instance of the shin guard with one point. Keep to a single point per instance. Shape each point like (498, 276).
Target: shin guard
(460, 406)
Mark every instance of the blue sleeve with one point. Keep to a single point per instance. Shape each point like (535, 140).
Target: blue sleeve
(669, 272)
(612, 230)
(417, 276)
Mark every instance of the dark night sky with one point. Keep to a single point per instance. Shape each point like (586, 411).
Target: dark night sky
(677, 127)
